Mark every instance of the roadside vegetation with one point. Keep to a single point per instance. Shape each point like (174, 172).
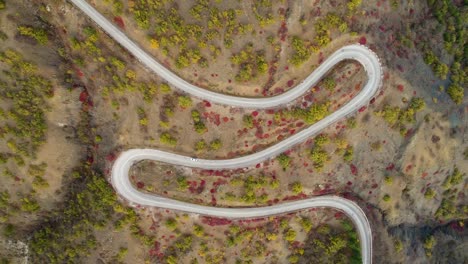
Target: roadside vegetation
(39, 34)
(24, 93)
(186, 42)
(112, 87)
(70, 235)
(309, 115)
(251, 63)
(293, 239)
(72, 231)
(452, 19)
(23, 126)
(449, 208)
(303, 49)
(397, 118)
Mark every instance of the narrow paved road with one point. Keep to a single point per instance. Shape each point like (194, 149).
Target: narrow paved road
(121, 167)
(355, 52)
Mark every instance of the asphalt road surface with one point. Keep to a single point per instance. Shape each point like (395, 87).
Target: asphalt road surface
(120, 178)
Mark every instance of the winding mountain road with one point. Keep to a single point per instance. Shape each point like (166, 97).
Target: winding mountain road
(120, 178)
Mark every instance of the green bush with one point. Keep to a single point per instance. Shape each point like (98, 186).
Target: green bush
(184, 101)
(29, 205)
(184, 244)
(348, 154)
(39, 34)
(319, 157)
(388, 180)
(120, 65)
(301, 53)
(293, 259)
(429, 243)
(351, 122)
(446, 209)
(397, 117)
(216, 144)
(251, 63)
(417, 104)
(248, 121)
(456, 93)
(451, 18)
(122, 253)
(198, 124)
(398, 245)
(171, 224)
(9, 230)
(390, 114)
(329, 83)
(311, 115)
(284, 160)
(429, 194)
(167, 139)
(296, 188)
(290, 235)
(353, 5)
(455, 178)
(27, 99)
(198, 230)
(306, 224)
(321, 140)
(200, 145)
(182, 183)
(386, 198)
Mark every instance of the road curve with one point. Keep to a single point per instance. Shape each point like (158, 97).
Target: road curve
(354, 52)
(122, 165)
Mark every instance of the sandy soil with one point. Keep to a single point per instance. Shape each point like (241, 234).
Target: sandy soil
(424, 156)
(220, 74)
(59, 152)
(215, 233)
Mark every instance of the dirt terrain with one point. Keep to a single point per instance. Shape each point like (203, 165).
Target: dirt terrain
(403, 161)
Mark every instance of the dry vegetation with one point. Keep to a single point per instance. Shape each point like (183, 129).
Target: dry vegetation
(72, 99)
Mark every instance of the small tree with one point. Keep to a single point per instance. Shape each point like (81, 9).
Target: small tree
(329, 83)
(388, 180)
(349, 153)
(271, 236)
(321, 140)
(429, 194)
(456, 93)
(248, 121)
(166, 138)
(386, 198)
(290, 235)
(184, 101)
(417, 104)
(306, 224)
(200, 145)
(122, 253)
(171, 224)
(284, 160)
(428, 245)
(296, 187)
(198, 230)
(398, 245)
(319, 157)
(9, 231)
(216, 144)
(39, 34)
(182, 183)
